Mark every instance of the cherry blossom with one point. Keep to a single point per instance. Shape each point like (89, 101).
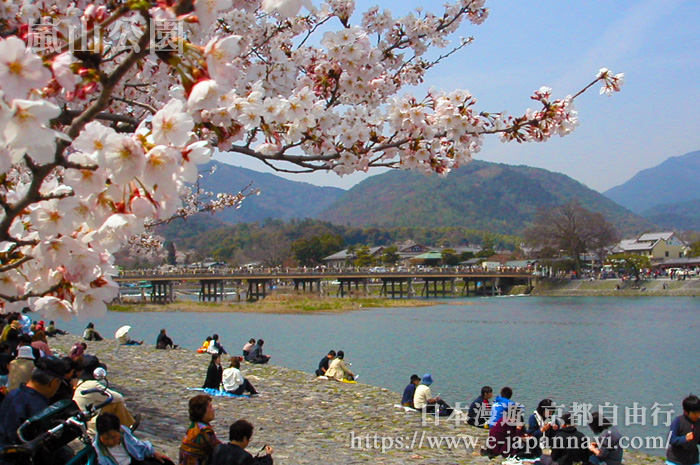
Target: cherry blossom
(99, 147)
(20, 69)
(171, 125)
(286, 8)
(208, 10)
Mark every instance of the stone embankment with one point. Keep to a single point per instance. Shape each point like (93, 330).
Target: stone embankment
(609, 287)
(305, 420)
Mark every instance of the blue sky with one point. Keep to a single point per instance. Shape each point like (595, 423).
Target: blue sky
(562, 44)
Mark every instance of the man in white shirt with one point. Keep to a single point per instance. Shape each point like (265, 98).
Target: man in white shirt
(423, 398)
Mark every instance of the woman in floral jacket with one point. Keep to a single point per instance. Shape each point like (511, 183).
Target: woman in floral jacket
(200, 440)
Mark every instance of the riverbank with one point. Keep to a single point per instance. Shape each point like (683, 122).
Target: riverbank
(276, 303)
(305, 420)
(608, 287)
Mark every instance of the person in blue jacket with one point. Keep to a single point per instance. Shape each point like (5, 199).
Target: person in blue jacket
(116, 445)
(500, 406)
(505, 426)
(410, 391)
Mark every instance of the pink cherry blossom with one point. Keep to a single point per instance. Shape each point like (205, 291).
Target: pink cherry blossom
(208, 10)
(62, 71)
(171, 125)
(55, 308)
(21, 70)
(285, 8)
(220, 54)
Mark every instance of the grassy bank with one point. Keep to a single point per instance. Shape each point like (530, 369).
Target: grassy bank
(287, 303)
(617, 287)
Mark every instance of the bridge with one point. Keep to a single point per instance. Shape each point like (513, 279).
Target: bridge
(442, 282)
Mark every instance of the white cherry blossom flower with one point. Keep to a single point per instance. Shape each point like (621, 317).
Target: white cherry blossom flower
(27, 130)
(208, 10)
(10, 282)
(197, 153)
(21, 70)
(220, 54)
(171, 125)
(54, 216)
(203, 95)
(124, 158)
(142, 207)
(286, 8)
(160, 165)
(54, 308)
(56, 251)
(117, 229)
(93, 138)
(62, 71)
(85, 181)
(83, 266)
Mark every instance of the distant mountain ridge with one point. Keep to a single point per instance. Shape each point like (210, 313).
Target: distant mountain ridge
(681, 216)
(279, 198)
(481, 195)
(671, 182)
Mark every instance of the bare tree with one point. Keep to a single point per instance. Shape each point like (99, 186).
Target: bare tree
(573, 230)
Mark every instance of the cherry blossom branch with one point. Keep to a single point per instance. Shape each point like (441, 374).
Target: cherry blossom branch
(212, 207)
(401, 43)
(39, 173)
(135, 103)
(15, 265)
(67, 117)
(29, 295)
(78, 43)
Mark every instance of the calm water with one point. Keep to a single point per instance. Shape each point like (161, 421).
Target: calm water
(586, 350)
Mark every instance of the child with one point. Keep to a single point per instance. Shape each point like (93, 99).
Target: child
(683, 442)
(115, 444)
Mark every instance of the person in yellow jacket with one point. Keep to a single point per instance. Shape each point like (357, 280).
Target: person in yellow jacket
(205, 346)
(338, 369)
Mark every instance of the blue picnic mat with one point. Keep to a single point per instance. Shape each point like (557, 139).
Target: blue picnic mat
(216, 392)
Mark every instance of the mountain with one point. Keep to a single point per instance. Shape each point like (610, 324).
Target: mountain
(674, 180)
(278, 199)
(681, 216)
(481, 195)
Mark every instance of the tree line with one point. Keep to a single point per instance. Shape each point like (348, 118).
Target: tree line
(301, 242)
(563, 235)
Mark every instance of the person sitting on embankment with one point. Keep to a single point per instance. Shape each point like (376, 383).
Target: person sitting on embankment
(338, 370)
(233, 380)
(325, 363)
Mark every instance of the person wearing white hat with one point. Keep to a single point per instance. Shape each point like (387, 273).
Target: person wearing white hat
(423, 399)
(20, 369)
(117, 406)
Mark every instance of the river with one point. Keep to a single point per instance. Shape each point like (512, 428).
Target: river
(632, 353)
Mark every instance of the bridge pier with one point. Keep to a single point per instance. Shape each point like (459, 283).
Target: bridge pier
(465, 289)
(310, 281)
(161, 292)
(257, 289)
(346, 286)
(211, 290)
(389, 288)
(435, 292)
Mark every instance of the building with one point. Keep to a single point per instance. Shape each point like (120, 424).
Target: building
(657, 246)
(341, 259)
